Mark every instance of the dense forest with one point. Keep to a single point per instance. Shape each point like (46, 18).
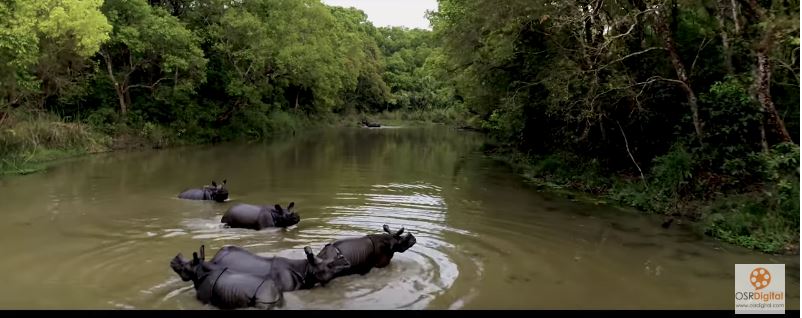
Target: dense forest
(688, 108)
(206, 70)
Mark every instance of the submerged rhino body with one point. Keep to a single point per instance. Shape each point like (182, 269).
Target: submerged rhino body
(257, 217)
(369, 251)
(214, 192)
(237, 278)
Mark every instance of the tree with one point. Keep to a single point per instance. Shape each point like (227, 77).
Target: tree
(149, 48)
(46, 42)
(769, 25)
(569, 75)
(360, 50)
(663, 15)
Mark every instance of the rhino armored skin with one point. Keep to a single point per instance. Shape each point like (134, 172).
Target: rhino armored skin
(369, 251)
(215, 192)
(237, 278)
(255, 217)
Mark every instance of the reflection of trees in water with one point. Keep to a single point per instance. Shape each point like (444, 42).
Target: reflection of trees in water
(319, 162)
(362, 155)
(131, 171)
(397, 150)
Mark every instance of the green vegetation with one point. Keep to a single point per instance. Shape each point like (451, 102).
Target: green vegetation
(684, 108)
(87, 76)
(32, 140)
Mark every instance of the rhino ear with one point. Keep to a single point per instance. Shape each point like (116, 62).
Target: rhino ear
(195, 258)
(203, 252)
(292, 205)
(309, 256)
(214, 184)
(387, 229)
(398, 234)
(278, 208)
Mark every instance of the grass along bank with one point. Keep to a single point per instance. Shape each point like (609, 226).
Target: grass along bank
(763, 216)
(30, 142)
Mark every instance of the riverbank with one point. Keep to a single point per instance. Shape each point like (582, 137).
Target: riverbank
(763, 217)
(31, 142)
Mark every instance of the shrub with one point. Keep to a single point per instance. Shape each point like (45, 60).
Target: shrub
(673, 171)
(766, 220)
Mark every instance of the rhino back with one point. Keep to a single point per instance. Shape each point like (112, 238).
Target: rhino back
(241, 260)
(193, 194)
(242, 215)
(358, 251)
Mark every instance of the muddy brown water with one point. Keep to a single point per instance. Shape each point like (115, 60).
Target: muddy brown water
(99, 231)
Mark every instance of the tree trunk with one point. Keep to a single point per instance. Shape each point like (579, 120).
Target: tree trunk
(682, 75)
(175, 82)
(596, 19)
(296, 99)
(763, 143)
(763, 83)
(588, 30)
(127, 95)
(119, 90)
(735, 16)
(725, 42)
(774, 122)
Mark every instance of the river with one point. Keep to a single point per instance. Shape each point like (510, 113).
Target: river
(98, 232)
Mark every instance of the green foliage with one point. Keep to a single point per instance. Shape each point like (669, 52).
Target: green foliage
(371, 92)
(763, 221)
(674, 170)
(557, 78)
(30, 30)
(453, 116)
(216, 71)
(637, 196)
(149, 48)
(781, 162)
(563, 84)
(26, 141)
(414, 70)
(256, 123)
(731, 138)
(105, 120)
(78, 19)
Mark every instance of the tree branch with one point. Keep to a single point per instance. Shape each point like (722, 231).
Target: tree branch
(631, 28)
(701, 47)
(787, 67)
(660, 78)
(151, 87)
(630, 55)
(626, 143)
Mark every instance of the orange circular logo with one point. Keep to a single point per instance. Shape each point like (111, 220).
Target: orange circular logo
(760, 278)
